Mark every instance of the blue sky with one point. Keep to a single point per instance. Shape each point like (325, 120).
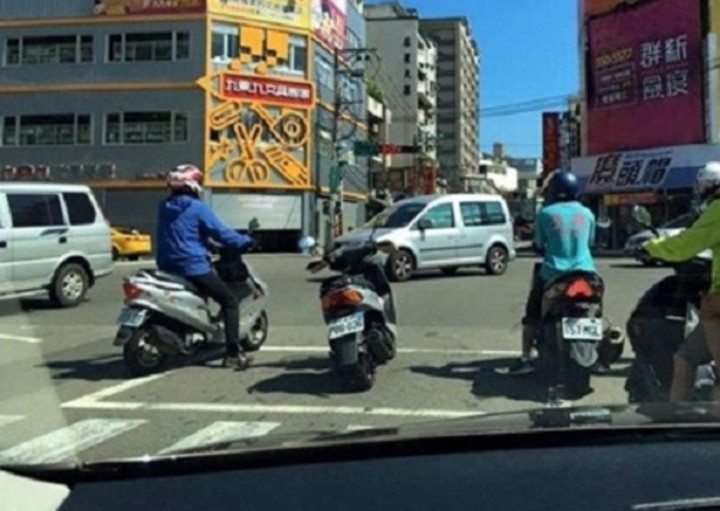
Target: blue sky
(528, 51)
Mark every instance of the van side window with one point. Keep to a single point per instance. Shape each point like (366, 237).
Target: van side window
(80, 209)
(472, 213)
(35, 210)
(442, 216)
(493, 213)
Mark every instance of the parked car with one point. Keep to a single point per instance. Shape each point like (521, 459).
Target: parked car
(130, 244)
(53, 238)
(444, 232)
(671, 228)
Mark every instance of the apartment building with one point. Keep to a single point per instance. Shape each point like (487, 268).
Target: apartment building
(407, 77)
(458, 85)
(113, 93)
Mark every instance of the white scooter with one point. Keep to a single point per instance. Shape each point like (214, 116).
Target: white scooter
(165, 315)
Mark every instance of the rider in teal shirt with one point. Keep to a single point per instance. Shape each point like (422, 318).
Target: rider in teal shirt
(564, 234)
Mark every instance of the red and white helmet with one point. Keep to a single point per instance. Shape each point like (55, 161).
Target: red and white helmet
(186, 177)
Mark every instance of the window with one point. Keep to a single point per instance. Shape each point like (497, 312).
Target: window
(64, 49)
(407, 42)
(35, 210)
(297, 58)
(148, 47)
(146, 128)
(471, 214)
(57, 129)
(408, 73)
(80, 208)
(408, 58)
(442, 216)
(493, 213)
(407, 90)
(324, 73)
(225, 42)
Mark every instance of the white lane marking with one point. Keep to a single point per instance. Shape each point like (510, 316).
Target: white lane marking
(9, 419)
(222, 431)
(409, 351)
(280, 409)
(353, 427)
(117, 389)
(20, 338)
(63, 443)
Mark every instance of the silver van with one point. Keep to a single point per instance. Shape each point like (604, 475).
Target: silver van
(445, 232)
(54, 238)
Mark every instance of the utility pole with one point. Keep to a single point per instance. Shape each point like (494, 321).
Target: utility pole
(336, 223)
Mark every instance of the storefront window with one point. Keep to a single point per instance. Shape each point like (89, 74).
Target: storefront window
(146, 128)
(59, 129)
(66, 49)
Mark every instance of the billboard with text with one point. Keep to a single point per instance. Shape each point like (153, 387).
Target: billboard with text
(645, 79)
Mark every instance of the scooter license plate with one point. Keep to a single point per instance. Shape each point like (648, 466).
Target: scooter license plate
(346, 326)
(582, 329)
(132, 317)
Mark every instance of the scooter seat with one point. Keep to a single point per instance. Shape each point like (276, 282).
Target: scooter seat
(176, 279)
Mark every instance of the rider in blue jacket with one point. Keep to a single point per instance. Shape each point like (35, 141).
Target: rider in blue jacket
(184, 228)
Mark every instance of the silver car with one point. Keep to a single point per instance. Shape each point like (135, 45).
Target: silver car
(444, 232)
(671, 228)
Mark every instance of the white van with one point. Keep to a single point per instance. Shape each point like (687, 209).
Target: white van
(443, 232)
(54, 238)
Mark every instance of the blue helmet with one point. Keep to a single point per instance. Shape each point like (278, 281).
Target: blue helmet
(563, 186)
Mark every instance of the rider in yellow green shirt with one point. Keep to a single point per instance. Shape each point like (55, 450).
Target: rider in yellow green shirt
(702, 235)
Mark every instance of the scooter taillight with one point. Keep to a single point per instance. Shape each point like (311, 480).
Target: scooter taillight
(580, 288)
(131, 291)
(341, 298)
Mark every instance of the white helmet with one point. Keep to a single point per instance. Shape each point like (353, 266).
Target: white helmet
(708, 179)
(186, 177)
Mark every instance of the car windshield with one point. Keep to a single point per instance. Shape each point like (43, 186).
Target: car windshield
(397, 216)
(680, 222)
(292, 130)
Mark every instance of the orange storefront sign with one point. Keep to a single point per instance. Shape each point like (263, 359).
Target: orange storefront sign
(628, 199)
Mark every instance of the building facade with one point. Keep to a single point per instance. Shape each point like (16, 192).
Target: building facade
(458, 98)
(113, 93)
(406, 76)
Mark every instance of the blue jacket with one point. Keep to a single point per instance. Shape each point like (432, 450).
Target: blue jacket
(566, 232)
(184, 226)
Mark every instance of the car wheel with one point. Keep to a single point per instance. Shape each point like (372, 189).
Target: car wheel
(69, 286)
(497, 260)
(400, 266)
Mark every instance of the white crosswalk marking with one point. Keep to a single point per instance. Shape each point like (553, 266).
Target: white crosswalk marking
(9, 419)
(63, 443)
(221, 431)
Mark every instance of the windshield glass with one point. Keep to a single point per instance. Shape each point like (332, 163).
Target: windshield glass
(125, 330)
(397, 216)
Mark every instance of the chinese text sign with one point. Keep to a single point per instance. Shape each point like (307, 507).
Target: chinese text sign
(645, 87)
(551, 142)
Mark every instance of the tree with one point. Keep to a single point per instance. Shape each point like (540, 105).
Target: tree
(373, 90)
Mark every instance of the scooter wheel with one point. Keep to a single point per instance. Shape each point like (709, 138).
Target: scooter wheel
(363, 375)
(140, 356)
(257, 335)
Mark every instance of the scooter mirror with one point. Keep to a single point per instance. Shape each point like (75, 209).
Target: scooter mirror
(316, 266)
(604, 224)
(642, 216)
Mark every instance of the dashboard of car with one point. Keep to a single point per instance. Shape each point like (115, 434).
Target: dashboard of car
(665, 473)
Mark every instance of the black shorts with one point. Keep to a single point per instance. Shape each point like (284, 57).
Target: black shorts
(533, 307)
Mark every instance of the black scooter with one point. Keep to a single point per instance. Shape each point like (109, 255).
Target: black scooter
(664, 317)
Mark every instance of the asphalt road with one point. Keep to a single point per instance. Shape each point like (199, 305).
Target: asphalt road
(64, 389)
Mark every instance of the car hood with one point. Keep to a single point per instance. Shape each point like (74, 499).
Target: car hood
(524, 421)
(363, 235)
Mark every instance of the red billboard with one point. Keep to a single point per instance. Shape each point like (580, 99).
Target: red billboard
(551, 142)
(645, 77)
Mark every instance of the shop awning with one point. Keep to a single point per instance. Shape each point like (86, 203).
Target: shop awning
(663, 169)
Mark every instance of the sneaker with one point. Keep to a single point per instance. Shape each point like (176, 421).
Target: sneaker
(521, 367)
(237, 362)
